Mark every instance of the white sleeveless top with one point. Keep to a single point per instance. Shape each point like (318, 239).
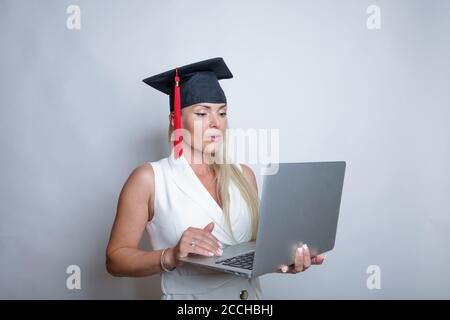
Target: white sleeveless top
(182, 201)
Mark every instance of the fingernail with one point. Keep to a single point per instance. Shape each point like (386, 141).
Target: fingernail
(300, 250)
(220, 244)
(305, 246)
(284, 268)
(219, 251)
(210, 254)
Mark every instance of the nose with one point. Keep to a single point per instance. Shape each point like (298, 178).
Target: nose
(214, 121)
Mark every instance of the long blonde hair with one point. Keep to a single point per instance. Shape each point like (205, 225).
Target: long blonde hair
(225, 174)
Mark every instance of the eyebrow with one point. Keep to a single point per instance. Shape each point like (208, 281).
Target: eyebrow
(208, 107)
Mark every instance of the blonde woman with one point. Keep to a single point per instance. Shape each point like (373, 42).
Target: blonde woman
(194, 201)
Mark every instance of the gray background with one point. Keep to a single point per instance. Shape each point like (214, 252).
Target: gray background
(75, 119)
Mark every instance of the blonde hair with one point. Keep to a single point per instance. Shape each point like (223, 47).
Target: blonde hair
(225, 174)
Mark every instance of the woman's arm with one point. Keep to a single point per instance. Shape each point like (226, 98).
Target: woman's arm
(134, 210)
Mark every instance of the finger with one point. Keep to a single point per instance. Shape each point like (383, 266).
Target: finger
(204, 243)
(299, 257)
(214, 248)
(306, 257)
(199, 249)
(283, 269)
(206, 234)
(200, 234)
(318, 259)
(291, 269)
(287, 269)
(209, 227)
(207, 237)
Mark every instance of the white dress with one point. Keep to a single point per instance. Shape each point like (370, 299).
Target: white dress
(181, 201)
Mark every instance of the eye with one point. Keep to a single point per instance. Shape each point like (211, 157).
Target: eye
(201, 114)
(223, 114)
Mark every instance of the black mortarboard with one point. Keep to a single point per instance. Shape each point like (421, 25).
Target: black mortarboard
(191, 84)
(198, 82)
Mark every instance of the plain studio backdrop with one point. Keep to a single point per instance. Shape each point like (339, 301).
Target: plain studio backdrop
(76, 119)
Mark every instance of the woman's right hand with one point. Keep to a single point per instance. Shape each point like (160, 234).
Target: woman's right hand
(206, 243)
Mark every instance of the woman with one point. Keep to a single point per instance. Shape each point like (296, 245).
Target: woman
(194, 201)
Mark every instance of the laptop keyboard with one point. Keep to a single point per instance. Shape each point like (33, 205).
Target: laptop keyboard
(244, 261)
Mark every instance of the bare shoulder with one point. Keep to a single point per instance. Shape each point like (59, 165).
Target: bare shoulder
(140, 187)
(250, 175)
(142, 176)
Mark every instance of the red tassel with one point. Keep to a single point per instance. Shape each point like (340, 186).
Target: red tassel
(178, 137)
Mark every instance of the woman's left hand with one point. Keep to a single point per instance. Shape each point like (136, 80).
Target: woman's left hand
(303, 261)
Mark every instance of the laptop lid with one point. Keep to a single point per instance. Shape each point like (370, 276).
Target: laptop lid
(299, 204)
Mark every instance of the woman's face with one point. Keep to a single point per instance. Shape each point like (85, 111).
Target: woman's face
(206, 124)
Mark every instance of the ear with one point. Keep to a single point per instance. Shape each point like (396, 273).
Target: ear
(171, 119)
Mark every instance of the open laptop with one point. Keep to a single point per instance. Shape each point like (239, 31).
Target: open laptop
(299, 204)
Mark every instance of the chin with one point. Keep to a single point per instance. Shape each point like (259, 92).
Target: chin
(211, 149)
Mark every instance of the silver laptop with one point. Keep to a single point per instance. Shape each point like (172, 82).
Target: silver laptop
(299, 204)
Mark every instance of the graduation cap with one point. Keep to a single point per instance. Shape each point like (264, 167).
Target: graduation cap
(191, 84)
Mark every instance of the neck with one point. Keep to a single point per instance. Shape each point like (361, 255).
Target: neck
(197, 160)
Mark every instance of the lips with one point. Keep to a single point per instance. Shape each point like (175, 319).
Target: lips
(215, 138)
(212, 135)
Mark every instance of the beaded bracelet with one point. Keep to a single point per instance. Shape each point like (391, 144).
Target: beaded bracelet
(162, 262)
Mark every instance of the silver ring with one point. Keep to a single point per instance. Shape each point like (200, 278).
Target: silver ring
(193, 242)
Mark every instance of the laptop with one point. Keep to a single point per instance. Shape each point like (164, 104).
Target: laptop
(299, 205)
